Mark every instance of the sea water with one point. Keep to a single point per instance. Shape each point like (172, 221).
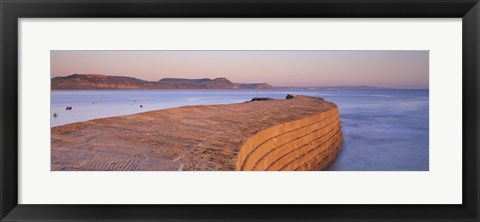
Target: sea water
(383, 129)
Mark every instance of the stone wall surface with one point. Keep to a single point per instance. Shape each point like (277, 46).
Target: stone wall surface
(301, 133)
(307, 144)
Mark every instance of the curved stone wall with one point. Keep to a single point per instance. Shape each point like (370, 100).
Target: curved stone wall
(307, 144)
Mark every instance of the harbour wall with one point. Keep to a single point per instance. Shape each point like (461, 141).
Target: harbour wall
(311, 143)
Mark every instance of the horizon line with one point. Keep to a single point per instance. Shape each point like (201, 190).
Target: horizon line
(310, 86)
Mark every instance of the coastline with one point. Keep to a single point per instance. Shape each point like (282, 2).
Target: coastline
(203, 137)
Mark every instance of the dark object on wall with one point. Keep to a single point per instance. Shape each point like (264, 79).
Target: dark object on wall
(290, 96)
(261, 98)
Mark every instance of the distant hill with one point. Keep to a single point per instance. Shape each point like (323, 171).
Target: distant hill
(105, 82)
(99, 82)
(337, 88)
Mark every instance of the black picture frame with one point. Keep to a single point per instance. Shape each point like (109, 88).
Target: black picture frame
(12, 10)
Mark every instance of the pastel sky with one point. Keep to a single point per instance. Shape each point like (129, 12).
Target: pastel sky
(396, 69)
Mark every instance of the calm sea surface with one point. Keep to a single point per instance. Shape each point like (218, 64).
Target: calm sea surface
(383, 130)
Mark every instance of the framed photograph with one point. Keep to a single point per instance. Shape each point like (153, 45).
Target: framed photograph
(239, 110)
